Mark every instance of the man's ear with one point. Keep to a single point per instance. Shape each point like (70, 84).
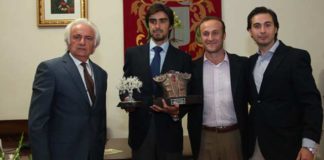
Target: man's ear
(276, 30)
(249, 30)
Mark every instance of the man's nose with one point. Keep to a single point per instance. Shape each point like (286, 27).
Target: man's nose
(210, 37)
(82, 40)
(157, 24)
(262, 29)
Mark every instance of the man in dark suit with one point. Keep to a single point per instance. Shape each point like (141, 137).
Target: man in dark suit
(67, 116)
(285, 118)
(154, 131)
(217, 128)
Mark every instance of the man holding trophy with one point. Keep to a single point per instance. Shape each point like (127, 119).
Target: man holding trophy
(155, 130)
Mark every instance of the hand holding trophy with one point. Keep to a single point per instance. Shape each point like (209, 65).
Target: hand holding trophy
(174, 85)
(127, 86)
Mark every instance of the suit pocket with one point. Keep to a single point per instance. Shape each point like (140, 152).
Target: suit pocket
(281, 114)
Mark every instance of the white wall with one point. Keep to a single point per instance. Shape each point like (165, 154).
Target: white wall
(23, 46)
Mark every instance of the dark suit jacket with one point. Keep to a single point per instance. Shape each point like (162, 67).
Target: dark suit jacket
(239, 84)
(288, 106)
(62, 124)
(169, 133)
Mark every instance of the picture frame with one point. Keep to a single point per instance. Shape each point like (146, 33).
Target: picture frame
(60, 12)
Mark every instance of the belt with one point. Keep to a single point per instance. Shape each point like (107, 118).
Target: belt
(221, 129)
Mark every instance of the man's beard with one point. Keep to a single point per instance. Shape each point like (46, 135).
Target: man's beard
(159, 36)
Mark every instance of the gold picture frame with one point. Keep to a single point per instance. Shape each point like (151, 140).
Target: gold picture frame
(60, 12)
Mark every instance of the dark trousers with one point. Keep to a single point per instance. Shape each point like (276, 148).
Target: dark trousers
(149, 149)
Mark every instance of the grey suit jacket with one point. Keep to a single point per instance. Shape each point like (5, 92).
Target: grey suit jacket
(62, 124)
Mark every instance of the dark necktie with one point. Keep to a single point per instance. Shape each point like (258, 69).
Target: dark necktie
(155, 66)
(156, 62)
(89, 82)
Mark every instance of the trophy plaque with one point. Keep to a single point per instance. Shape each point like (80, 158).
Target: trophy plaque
(129, 104)
(174, 85)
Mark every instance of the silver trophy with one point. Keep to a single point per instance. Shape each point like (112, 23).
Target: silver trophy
(127, 86)
(174, 85)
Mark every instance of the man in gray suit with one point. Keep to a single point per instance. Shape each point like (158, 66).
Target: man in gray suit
(67, 116)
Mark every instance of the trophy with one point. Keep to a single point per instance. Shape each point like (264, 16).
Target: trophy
(174, 85)
(128, 85)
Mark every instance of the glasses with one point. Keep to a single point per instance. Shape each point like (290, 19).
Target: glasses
(161, 20)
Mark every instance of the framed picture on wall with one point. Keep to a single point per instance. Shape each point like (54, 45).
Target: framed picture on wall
(60, 12)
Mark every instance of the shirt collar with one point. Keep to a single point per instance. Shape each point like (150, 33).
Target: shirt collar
(164, 46)
(224, 60)
(76, 61)
(272, 49)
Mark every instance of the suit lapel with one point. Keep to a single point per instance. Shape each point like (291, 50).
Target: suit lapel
(69, 65)
(168, 59)
(197, 76)
(146, 59)
(144, 63)
(97, 80)
(234, 72)
(275, 60)
(252, 62)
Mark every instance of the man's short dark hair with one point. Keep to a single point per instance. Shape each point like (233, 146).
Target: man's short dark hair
(262, 10)
(157, 7)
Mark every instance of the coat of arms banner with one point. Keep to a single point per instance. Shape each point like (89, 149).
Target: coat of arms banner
(188, 14)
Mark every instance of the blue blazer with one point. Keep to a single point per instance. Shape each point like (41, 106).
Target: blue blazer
(287, 107)
(62, 124)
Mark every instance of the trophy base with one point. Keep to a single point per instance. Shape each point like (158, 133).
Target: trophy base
(187, 100)
(133, 104)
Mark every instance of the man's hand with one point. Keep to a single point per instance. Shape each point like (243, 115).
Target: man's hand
(305, 154)
(172, 110)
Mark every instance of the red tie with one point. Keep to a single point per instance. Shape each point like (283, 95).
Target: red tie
(89, 82)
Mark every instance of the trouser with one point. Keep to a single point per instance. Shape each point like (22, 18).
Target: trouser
(257, 155)
(220, 146)
(149, 149)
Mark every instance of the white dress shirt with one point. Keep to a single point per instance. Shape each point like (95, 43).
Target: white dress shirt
(218, 100)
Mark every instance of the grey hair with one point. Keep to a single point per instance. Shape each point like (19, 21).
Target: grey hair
(81, 21)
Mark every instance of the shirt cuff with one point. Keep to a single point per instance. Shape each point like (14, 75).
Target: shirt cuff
(309, 143)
